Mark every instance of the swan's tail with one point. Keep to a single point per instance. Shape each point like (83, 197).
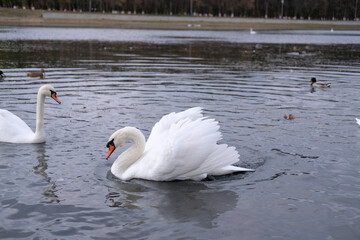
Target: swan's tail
(230, 169)
(358, 120)
(220, 162)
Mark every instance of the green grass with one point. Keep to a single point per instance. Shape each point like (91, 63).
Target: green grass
(10, 12)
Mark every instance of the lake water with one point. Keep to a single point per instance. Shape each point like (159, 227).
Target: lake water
(306, 184)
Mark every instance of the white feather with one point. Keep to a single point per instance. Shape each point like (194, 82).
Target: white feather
(13, 129)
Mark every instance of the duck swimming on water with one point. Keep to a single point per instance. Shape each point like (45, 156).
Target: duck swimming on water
(2, 75)
(315, 83)
(40, 73)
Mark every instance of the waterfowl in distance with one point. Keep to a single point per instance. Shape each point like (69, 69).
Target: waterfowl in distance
(40, 73)
(315, 83)
(2, 75)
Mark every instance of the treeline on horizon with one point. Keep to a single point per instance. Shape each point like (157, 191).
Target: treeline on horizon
(299, 9)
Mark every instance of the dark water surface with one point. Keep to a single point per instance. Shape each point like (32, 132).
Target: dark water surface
(306, 184)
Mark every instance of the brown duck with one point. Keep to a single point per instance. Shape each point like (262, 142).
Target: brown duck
(40, 73)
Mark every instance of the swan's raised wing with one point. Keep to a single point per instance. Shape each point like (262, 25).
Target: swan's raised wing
(184, 146)
(188, 150)
(161, 129)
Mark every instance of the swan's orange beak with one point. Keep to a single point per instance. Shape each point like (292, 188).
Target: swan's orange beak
(111, 150)
(53, 95)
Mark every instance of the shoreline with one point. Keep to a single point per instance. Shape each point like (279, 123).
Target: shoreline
(42, 18)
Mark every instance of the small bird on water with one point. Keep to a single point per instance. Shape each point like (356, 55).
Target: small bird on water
(291, 117)
(2, 75)
(314, 83)
(40, 73)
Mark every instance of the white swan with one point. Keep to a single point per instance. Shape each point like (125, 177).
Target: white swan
(252, 31)
(358, 120)
(181, 146)
(14, 130)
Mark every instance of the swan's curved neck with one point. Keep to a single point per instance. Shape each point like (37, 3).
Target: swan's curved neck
(132, 154)
(39, 132)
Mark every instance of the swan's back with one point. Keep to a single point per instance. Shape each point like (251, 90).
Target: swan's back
(184, 146)
(13, 129)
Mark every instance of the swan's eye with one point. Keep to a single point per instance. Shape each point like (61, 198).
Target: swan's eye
(52, 92)
(110, 143)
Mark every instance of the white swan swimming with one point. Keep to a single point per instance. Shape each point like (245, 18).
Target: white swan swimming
(358, 120)
(181, 146)
(14, 130)
(252, 31)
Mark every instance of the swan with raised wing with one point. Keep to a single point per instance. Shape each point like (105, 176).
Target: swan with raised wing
(181, 146)
(14, 130)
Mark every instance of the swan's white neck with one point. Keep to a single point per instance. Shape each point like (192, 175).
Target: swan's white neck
(132, 154)
(40, 132)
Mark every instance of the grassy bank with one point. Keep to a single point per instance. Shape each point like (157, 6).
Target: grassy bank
(20, 17)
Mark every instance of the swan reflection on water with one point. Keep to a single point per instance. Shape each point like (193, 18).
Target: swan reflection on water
(49, 191)
(181, 201)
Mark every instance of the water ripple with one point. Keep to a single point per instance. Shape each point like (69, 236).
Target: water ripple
(63, 189)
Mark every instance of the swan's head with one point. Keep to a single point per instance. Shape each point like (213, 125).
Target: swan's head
(118, 138)
(313, 80)
(49, 91)
(111, 146)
